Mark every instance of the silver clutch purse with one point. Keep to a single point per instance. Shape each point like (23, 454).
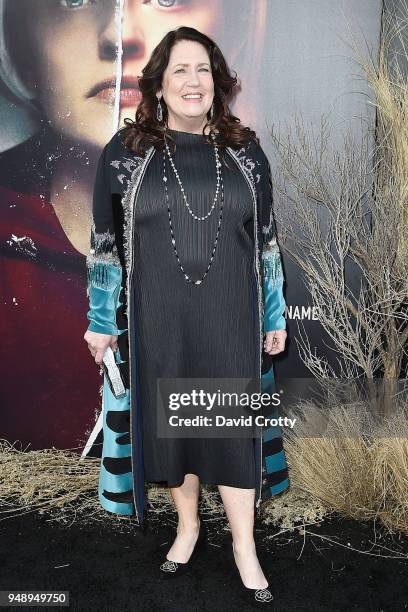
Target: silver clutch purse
(113, 373)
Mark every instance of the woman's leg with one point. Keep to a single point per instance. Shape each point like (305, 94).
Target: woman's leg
(186, 501)
(239, 507)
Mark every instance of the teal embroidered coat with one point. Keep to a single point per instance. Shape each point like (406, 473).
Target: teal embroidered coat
(110, 265)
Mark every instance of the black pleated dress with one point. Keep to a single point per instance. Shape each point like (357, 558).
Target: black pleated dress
(194, 331)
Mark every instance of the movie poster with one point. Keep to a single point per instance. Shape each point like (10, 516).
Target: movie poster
(68, 78)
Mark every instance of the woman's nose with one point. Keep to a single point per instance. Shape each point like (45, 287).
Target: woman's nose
(133, 35)
(108, 37)
(130, 32)
(193, 79)
(133, 47)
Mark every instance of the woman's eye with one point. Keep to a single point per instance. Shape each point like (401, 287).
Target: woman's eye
(206, 69)
(75, 3)
(170, 3)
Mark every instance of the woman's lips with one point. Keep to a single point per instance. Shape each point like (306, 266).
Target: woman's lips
(129, 91)
(128, 96)
(193, 100)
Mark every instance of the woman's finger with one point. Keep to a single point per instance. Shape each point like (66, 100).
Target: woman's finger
(271, 340)
(268, 343)
(99, 355)
(275, 342)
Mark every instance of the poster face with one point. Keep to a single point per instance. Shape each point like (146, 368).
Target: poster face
(69, 73)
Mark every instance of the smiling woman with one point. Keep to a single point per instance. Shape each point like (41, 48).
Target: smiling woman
(185, 282)
(59, 61)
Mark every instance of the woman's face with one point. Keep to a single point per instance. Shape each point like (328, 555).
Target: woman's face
(188, 73)
(70, 58)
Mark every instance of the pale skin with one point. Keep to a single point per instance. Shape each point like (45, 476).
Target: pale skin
(195, 76)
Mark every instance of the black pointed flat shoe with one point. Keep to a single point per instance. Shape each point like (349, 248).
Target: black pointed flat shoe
(257, 598)
(174, 569)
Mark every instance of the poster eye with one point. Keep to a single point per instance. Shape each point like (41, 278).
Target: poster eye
(75, 3)
(171, 3)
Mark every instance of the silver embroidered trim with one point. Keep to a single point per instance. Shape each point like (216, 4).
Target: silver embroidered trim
(271, 261)
(104, 237)
(269, 231)
(271, 245)
(271, 225)
(272, 264)
(102, 258)
(169, 566)
(128, 202)
(129, 164)
(246, 164)
(103, 248)
(97, 276)
(103, 252)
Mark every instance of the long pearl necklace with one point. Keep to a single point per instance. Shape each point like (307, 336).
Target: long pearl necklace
(196, 217)
(217, 166)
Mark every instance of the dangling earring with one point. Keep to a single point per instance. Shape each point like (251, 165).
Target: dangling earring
(159, 111)
(212, 110)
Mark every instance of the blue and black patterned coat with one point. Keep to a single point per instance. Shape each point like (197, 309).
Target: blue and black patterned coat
(110, 267)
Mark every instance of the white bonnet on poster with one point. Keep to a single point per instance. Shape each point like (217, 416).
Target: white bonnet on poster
(19, 115)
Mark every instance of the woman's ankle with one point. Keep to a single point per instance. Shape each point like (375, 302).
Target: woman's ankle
(243, 547)
(188, 526)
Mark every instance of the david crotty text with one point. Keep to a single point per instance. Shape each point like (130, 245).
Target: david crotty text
(221, 421)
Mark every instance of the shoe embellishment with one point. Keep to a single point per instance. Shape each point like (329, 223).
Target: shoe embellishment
(263, 595)
(169, 566)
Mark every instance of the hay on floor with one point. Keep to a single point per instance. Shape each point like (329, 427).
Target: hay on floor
(358, 468)
(356, 465)
(64, 486)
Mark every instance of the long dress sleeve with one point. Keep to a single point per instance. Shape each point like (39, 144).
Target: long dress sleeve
(104, 271)
(272, 272)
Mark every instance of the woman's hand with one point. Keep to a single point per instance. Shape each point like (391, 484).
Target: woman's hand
(98, 343)
(274, 342)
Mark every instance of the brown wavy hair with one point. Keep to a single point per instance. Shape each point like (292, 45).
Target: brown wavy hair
(146, 130)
